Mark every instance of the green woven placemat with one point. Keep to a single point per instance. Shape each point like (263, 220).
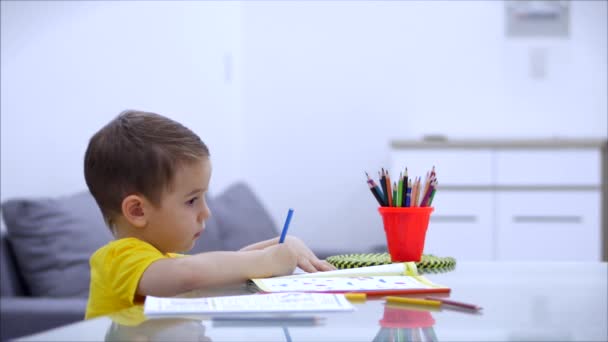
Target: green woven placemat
(428, 264)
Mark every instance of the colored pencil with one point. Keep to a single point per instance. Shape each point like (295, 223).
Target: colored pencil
(408, 194)
(425, 188)
(376, 186)
(455, 303)
(394, 194)
(409, 300)
(375, 189)
(427, 194)
(413, 202)
(404, 190)
(418, 190)
(400, 191)
(354, 296)
(383, 184)
(286, 225)
(432, 195)
(389, 191)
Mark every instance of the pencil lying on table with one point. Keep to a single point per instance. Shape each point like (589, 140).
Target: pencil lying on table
(409, 300)
(455, 303)
(431, 301)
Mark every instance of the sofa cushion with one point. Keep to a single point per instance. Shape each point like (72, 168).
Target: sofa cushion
(53, 239)
(211, 239)
(11, 280)
(242, 217)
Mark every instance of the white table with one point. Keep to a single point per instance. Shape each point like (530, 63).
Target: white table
(521, 301)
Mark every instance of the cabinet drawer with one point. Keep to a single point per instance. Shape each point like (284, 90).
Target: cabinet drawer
(461, 226)
(548, 167)
(549, 226)
(454, 167)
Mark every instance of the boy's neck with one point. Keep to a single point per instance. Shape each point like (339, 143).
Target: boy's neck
(123, 230)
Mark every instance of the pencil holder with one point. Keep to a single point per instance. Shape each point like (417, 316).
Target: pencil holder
(405, 230)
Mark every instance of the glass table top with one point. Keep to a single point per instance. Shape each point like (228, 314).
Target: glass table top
(521, 302)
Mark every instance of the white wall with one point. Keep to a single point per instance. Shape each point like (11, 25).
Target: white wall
(326, 85)
(298, 98)
(69, 67)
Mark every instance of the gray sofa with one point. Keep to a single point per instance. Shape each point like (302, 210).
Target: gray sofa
(48, 241)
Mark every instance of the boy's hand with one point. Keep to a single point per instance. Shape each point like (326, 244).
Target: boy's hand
(282, 259)
(307, 260)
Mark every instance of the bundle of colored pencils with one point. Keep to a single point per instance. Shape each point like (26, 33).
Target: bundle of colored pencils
(404, 192)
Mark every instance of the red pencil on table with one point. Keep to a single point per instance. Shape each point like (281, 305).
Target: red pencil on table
(455, 303)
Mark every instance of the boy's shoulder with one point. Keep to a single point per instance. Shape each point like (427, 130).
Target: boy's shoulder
(122, 246)
(124, 243)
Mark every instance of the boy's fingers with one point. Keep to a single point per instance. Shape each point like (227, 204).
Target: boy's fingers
(304, 264)
(325, 266)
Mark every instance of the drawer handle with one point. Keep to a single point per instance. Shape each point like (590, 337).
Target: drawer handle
(454, 218)
(547, 219)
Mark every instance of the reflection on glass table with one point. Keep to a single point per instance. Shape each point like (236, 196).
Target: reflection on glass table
(406, 323)
(132, 325)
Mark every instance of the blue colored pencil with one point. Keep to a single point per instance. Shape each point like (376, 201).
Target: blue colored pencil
(286, 225)
(408, 194)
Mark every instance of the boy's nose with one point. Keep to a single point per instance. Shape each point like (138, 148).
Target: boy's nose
(204, 214)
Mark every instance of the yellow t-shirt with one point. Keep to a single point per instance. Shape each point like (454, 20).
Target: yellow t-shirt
(116, 269)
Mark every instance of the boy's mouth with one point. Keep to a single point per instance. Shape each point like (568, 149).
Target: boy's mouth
(197, 234)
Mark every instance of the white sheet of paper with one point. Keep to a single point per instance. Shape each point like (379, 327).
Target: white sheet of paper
(343, 284)
(395, 269)
(257, 303)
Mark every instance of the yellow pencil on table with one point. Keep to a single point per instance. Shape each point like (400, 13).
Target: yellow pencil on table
(416, 301)
(355, 296)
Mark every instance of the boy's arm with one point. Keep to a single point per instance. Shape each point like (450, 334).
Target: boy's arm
(307, 260)
(262, 244)
(172, 276)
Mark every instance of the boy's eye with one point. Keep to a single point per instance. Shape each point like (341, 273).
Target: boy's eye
(191, 201)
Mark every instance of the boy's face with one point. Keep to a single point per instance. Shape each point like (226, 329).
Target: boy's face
(179, 221)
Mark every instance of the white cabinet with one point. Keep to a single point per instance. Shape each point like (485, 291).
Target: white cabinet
(459, 226)
(508, 200)
(465, 167)
(556, 225)
(558, 167)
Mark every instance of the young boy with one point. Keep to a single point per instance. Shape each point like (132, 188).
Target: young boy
(149, 176)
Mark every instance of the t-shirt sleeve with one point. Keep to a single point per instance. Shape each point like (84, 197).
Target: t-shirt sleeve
(176, 255)
(125, 266)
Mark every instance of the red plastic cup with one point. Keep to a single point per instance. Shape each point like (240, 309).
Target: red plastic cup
(405, 230)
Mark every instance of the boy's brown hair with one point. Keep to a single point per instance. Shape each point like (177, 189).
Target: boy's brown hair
(137, 153)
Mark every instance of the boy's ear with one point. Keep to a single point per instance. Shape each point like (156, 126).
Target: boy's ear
(133, 210)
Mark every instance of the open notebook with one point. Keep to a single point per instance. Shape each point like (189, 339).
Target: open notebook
(398, 278)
